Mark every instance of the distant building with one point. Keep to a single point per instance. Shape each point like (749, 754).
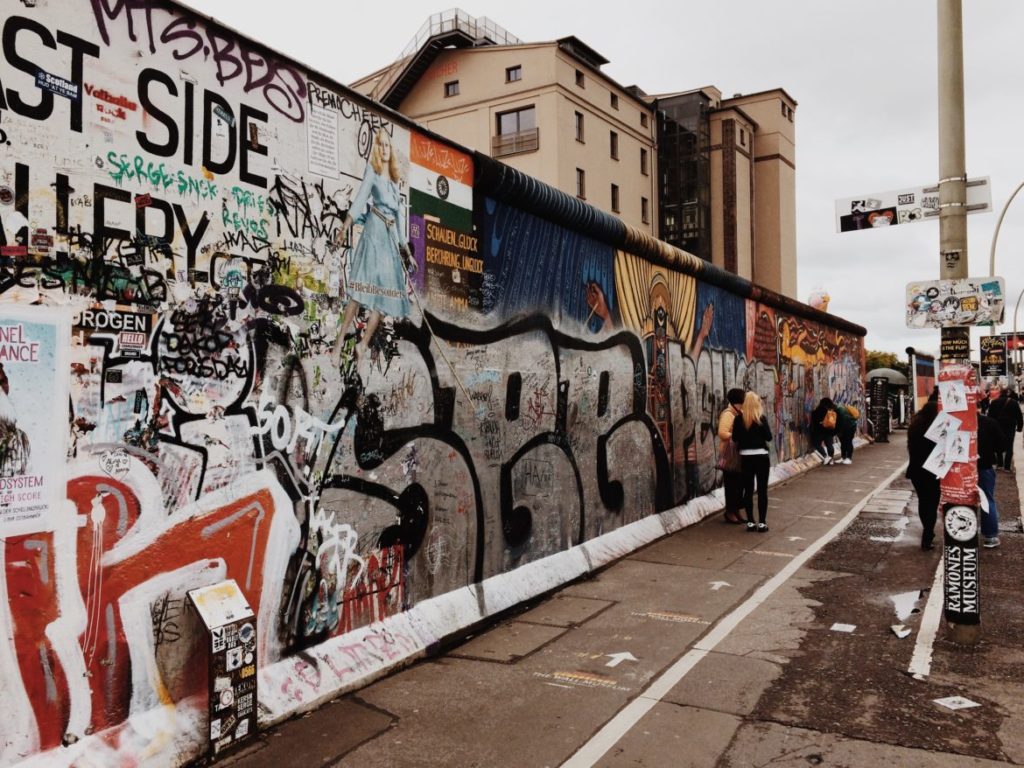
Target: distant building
(713, 176)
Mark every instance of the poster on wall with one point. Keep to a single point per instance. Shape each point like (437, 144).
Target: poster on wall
(993, 357)
(32, 438)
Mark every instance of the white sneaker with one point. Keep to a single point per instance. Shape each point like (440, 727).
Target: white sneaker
(846, 461)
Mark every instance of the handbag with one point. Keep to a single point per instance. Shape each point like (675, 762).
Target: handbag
(729, 458)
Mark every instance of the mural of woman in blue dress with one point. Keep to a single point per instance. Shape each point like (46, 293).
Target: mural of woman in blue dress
(376, 278)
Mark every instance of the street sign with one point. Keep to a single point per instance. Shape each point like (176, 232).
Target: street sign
(904, 206)
(955, 303)
(993, 357)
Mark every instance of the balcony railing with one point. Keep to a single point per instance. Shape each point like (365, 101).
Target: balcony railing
(515, 143)
(481, 29)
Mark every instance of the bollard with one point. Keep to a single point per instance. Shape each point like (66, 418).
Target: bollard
(231, 637)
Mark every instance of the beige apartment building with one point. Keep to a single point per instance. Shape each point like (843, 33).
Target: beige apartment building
(713, 176)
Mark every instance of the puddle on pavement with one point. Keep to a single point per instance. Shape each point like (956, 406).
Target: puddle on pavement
(900, 525)
(906, 603)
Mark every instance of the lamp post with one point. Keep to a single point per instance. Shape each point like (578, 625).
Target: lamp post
(995, 235)
(1016, 309)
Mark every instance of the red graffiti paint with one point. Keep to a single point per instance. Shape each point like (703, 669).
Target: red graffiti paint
(236, 533)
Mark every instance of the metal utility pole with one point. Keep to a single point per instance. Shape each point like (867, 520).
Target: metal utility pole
(962, 548)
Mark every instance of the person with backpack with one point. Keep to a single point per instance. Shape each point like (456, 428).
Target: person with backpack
(823, 429)
(846, 429)
(752, 435)
(729, 460)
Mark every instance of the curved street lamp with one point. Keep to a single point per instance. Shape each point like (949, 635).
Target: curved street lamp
(992, 266)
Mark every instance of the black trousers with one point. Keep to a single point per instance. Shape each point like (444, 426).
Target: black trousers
(733, 484)
(1005, 460)
(755, 468)
(926, 486)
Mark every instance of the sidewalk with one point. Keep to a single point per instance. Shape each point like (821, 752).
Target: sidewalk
(714, 646)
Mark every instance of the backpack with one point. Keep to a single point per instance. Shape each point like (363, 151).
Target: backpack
(829, 422)
(854, 411)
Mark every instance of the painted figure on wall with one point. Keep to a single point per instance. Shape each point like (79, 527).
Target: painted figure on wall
(377, 276)
(14, 446)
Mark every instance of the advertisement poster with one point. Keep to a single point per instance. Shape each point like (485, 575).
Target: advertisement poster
(32, 438)
(993, 357)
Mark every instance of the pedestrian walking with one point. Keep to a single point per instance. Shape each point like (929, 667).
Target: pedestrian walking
(1006, 411)
(926, 485)
(752, 436)
(990, 442)
(823, 429)
(846, 430)
(729, 460)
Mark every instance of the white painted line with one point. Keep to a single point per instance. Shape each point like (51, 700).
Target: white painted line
(612, 731)
(921, 661)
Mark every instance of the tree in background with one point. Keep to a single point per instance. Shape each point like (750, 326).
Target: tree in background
(878, 359)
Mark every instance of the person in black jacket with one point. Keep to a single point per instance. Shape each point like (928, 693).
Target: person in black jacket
(752, 436)
(990, 443)
(1006, 411)
(926, 485)
(822, 437)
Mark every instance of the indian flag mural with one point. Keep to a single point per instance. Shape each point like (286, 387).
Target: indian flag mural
(441, 225)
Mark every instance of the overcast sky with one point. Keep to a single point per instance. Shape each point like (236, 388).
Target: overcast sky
(863, 74)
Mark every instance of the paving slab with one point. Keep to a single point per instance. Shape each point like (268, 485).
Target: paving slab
(670, 735)
(564, 611)
(725, 683)
(507, 642)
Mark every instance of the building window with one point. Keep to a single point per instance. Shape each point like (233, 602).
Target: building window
(517, 121)
(451, 88)
(579, 126)
(643, 119)
(581, 184)
(579, 79)
(613, 145)
(743, 138)
(514, 74)
(615, 101)
(643, 162)
(615, 198)
(645, 210)
(516, 132)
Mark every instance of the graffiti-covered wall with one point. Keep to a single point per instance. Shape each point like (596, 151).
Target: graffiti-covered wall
(253, 327)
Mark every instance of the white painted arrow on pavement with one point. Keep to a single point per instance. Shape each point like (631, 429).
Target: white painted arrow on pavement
(795, 538)
(717, 585)
(618, 658)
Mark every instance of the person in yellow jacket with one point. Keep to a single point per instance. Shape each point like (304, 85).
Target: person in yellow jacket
(732, 479)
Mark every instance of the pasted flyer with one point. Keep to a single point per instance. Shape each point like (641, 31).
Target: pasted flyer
(33, 416)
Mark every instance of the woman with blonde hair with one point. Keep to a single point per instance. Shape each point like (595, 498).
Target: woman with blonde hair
(376, 279)
(752, 436)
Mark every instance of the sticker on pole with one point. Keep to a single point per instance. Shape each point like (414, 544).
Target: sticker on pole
(952, 303)
(904, 206)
